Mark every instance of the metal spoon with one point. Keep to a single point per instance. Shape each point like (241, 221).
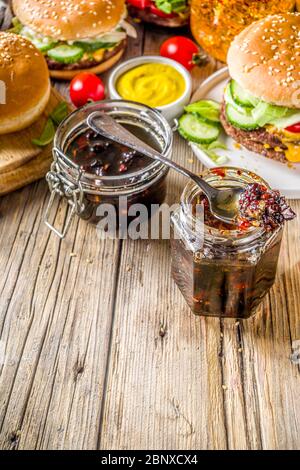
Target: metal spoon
(224, 203)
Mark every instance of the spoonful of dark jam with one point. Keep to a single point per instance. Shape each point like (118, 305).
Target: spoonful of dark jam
(258, 207)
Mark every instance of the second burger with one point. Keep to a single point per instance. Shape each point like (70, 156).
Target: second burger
(74, 36)
(168, 13)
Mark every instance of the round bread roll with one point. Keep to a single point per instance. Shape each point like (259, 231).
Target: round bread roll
(265, 59)
(69, 20)
(24, 83)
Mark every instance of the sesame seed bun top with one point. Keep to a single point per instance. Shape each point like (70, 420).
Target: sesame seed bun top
(24, 78)
(265, 59)
(69, 20)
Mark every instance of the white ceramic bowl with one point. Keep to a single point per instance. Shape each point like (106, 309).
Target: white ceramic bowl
(169, 111)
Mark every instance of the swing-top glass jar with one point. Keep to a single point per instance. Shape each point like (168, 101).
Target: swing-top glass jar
(89, 170)
(221, 270)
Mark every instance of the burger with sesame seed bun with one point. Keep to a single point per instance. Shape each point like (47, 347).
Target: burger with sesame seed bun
(261, 107)
(25, 75)
(74, 35)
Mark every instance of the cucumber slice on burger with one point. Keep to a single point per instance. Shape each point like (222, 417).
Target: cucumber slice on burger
(229, 100)
(92, 46)
(66, 54)
(196, 130)
(241, 120)
(44, 44)
(241, 96)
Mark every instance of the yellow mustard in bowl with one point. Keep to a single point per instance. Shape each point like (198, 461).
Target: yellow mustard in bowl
(153, 84)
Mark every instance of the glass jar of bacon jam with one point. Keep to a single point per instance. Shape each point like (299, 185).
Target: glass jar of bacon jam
(222, 270)
(89, 170)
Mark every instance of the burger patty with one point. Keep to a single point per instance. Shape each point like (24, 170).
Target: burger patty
(85, 64)
(259, 140)
(148, 17)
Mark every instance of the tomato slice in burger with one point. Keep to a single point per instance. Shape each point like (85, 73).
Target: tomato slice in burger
(156, 11)
(295, 128)
(141, 4)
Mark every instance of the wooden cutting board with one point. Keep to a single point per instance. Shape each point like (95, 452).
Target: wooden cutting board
(21, 162)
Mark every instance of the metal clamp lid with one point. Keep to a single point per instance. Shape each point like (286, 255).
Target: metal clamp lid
(61, 187)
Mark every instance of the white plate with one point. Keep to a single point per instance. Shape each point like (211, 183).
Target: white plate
(278, 175)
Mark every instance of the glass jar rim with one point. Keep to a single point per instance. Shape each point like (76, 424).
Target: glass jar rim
(191, 190)
(115, 106)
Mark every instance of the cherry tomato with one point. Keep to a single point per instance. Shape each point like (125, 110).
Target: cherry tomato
(181, 49)
(295, 128)
(86, 87)
(141, 4)
(156, 11)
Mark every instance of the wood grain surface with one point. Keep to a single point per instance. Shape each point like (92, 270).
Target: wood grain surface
(100, 351)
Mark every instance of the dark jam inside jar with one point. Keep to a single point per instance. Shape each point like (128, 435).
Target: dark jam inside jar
(102, 157)
(220, 278)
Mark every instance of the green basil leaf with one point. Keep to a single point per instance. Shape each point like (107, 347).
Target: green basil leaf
(59, 113)
(47, 135)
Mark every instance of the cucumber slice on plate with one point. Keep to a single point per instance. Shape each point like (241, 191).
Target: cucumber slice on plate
(196, 130)
(208, 110)
(241, 120)
(66, 54)
(241, 96)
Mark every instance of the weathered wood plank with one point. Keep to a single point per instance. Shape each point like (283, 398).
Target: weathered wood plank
(56, 324)
(182, 382)
(56, 319)
(261, 382)
(159, 375)
(101, 351)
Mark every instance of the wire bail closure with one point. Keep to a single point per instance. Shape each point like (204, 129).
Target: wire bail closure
(61, 187)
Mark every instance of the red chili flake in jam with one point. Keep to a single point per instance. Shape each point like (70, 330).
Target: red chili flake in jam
(219, 172)
(244, 225)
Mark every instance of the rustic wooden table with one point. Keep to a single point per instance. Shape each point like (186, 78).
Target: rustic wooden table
(99, 350)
